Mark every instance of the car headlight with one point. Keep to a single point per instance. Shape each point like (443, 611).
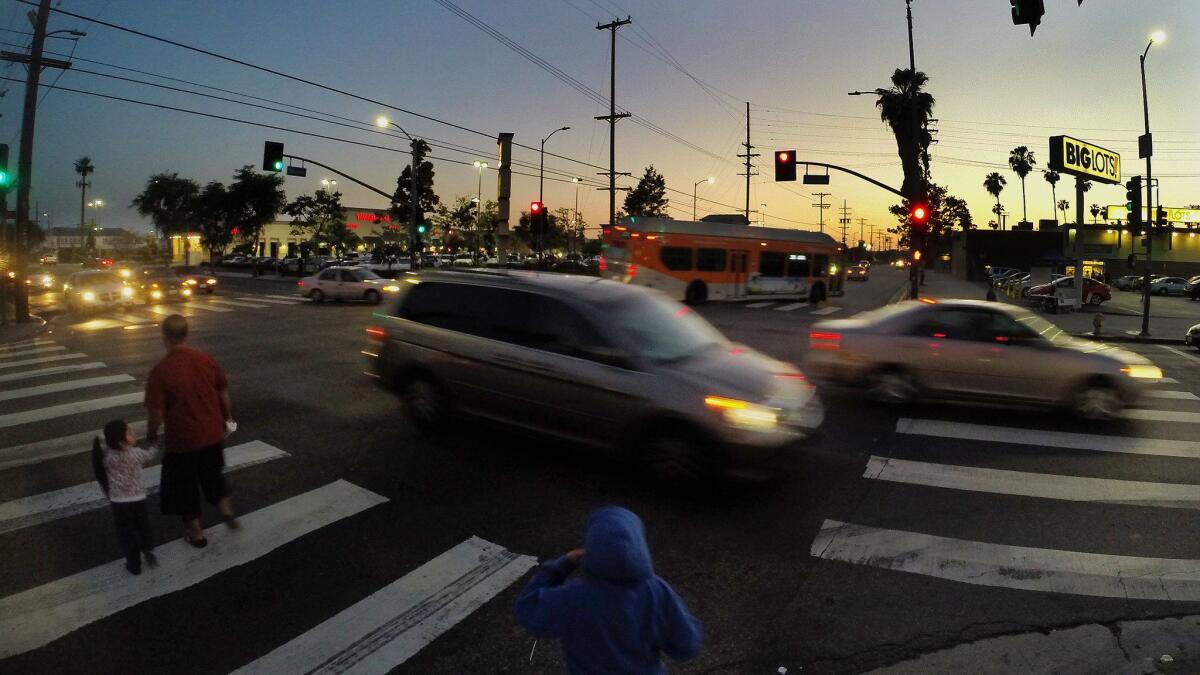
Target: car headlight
(89, 296)
(1143, 372)
(212, 282)
(391, 288)
(126, 292)
(190, 282)
(157, 295)
(186, 292)
(744, 414)
(124, 273)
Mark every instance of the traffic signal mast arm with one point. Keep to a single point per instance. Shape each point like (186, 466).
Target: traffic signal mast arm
(347, 176)
(852, 172)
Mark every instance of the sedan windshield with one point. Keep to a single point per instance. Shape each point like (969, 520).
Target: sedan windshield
(95, 280)
(366, 275)
(660, 329)
(1043, 328)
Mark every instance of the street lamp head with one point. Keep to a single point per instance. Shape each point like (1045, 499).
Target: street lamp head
(1158, 37)
(382, 121)
(712, 179)
(564, 128)
(577, 180)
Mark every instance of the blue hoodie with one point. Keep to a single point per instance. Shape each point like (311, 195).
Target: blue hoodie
(619, 617)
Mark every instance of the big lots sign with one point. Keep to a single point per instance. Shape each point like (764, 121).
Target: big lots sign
(1078, 158)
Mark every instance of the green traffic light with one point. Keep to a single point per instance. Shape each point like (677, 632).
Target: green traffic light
(3, 178)
(421, 229)
(278, 165)
(1128, 206)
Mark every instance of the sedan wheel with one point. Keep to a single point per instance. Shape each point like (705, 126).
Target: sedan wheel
(373, 297)
(317, 295)
(1163, 291)
(1099, 402)
(1094, 299)
(893, 386)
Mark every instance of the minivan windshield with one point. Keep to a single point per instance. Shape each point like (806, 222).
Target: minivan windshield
(660, 329)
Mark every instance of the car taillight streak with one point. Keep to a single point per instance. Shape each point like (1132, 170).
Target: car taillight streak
(375, 334)
(828, 341)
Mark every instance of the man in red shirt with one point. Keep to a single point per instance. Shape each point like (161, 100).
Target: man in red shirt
(188, 392)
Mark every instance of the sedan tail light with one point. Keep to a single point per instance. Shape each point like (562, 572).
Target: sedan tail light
(824, 340)
(376, 334)
(300, 283)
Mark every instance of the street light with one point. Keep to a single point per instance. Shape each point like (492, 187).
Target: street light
(575, 223)
(384, 122)
(762, 215)
(710, 180)
(480, 166)
(329, 184)
(1157, 37)
(541, 180)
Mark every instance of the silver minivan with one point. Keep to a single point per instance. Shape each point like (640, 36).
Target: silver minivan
(593, 361)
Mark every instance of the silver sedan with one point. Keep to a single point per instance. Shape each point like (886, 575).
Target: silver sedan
(977, 350)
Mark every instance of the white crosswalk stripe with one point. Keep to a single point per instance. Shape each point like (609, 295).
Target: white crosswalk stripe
(41, 360)
(43, 508)
(284, 297)
(759, 305)
(53, 370)
(236, 303)
(188, 309)
(65, 409)
(1161, 415)
(24, 344)
(1006, 566)
(41, 451)
(1054, 439)
(38, 616)
(391, 625)
(33, 351)
(273, 301)
(825, 311)
(1190, 357)
(70, 385)
(1174, 395)
(791, 307)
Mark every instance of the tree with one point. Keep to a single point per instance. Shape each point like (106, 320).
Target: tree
(649, 198)
(1052, 177)
(994, 183)
(83, 167)
(254, 200)
(169, 202)
(946, 212)
(401, 209)
(322, 219)
(573, 225)
(210, 212)
(455, 225)
(1021, 161)
(552, 236)
(907, 110)
(1095, 211)
(1063, 205)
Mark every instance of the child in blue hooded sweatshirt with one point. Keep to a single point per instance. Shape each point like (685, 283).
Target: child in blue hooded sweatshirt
(619, 617)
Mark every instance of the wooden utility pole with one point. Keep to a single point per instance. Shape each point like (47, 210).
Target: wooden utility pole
(748, 155)
(822, 206)
(612, 118)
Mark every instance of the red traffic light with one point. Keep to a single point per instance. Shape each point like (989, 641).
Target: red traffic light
(535, 207)
(785, 165)
(784, 156)
(918, 215)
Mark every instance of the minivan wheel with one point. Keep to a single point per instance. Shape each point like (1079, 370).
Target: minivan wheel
(696, 293)
(317, 295)
(678, 456)
(1097, 401)
(423, 403)
(373, 297)
(893, 386)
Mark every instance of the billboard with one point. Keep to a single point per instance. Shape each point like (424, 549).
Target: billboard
(1079, 158)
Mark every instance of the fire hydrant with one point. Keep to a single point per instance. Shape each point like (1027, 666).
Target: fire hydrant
(1097, 324)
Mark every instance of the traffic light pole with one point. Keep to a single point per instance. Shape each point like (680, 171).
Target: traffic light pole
(1150, 211)
(1078, 300)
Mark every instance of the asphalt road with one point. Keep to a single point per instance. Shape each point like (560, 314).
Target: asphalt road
(773, 581)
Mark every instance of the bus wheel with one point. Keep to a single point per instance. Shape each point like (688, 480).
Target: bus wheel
(696, 293)
(817, 294)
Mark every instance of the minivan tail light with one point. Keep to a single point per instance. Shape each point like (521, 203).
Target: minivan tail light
(632, 270)
(824, 340)
(603, 264)
(375, 333)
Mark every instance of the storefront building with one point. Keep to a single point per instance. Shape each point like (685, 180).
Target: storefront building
(277, 240)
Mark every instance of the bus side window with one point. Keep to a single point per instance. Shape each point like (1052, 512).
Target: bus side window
(822, 266)
(771, 263)
(710, 259)
(797, 265)
(676, 258)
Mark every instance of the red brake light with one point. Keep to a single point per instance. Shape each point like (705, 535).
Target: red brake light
(300, 283)
(826, 341)
(375, 333)
(603, 264)
(939, 335)
(789, 376)
(632, 270)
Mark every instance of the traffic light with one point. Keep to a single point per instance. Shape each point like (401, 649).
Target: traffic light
(785, 165)
(421, 228)
(918, 216)
(5, 176)
(1133, 204)
(272, 156)
(1027, 12)
(1161, 220)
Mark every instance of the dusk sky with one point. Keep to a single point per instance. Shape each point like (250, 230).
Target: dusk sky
(995, 86)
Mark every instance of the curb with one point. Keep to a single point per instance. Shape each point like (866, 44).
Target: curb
(1129, 339)
(8, 332)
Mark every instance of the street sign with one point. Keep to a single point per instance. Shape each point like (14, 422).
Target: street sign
(297, 171)
(1079, 158)
(816, 179)
(1145, 146)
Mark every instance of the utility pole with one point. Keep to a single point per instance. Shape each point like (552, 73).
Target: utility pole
(612, 118)
(748, 155)
(862, 224)
(912, 61)
(844, 221)
(822, 206)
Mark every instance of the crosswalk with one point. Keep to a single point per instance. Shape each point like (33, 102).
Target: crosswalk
(57, 408)
(960, 465)
(198, 306)
(802, 307)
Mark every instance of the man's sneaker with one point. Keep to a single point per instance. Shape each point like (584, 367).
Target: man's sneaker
(151, 559)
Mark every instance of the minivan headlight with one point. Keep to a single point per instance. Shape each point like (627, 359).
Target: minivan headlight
(744, 414)
(126, 292)
(1143, 372)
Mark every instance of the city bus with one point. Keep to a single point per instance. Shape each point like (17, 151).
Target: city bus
(708, 260)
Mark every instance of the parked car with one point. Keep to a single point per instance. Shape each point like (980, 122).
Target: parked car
(49, 259)
(856, 273)
(998, 273)
(1126, 283)
(1193, 288)
(594, 361)
(157, 283)
(1094, 292)
(976, 350)
(998, 280)
(464, 261)
(1192, 337)
(94, 290)
(1169, 286)
(346, 283)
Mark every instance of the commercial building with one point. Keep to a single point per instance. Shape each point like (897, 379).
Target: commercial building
(105, 239)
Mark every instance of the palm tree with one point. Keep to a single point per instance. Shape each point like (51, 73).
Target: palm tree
(1095, 209)
(1052, 177)
(907, 110)
(83, 167)
(994, 183)
(1021, 161)
(1063, 205)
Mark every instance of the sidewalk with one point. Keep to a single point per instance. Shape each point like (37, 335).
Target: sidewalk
(17, 332)
(1147, 646)
(1118, 327)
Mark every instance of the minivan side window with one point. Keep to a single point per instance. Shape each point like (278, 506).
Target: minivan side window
(676, 258)
(443, 305)
(544, 323)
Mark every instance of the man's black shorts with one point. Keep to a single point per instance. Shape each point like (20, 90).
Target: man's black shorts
(186, 474)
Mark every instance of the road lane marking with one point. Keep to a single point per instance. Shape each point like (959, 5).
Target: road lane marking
(392, 624)
(1190, 357)
(826, 310)
(236, 303)
(41, 451)
(285, 297)
(35, 351)
(48, 506)
(55, 411)
(63, 386)
(44, 359)
(184, 309)
(1161, 415)
(207, 306)
(54, 370)
(273, 301)
(38, 616)
(1005, 566)
(1175, 395)
(791, 307)
(1041, 485)
(1167, 380)
(759, 305)
(1056, 439)
(24, 344)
